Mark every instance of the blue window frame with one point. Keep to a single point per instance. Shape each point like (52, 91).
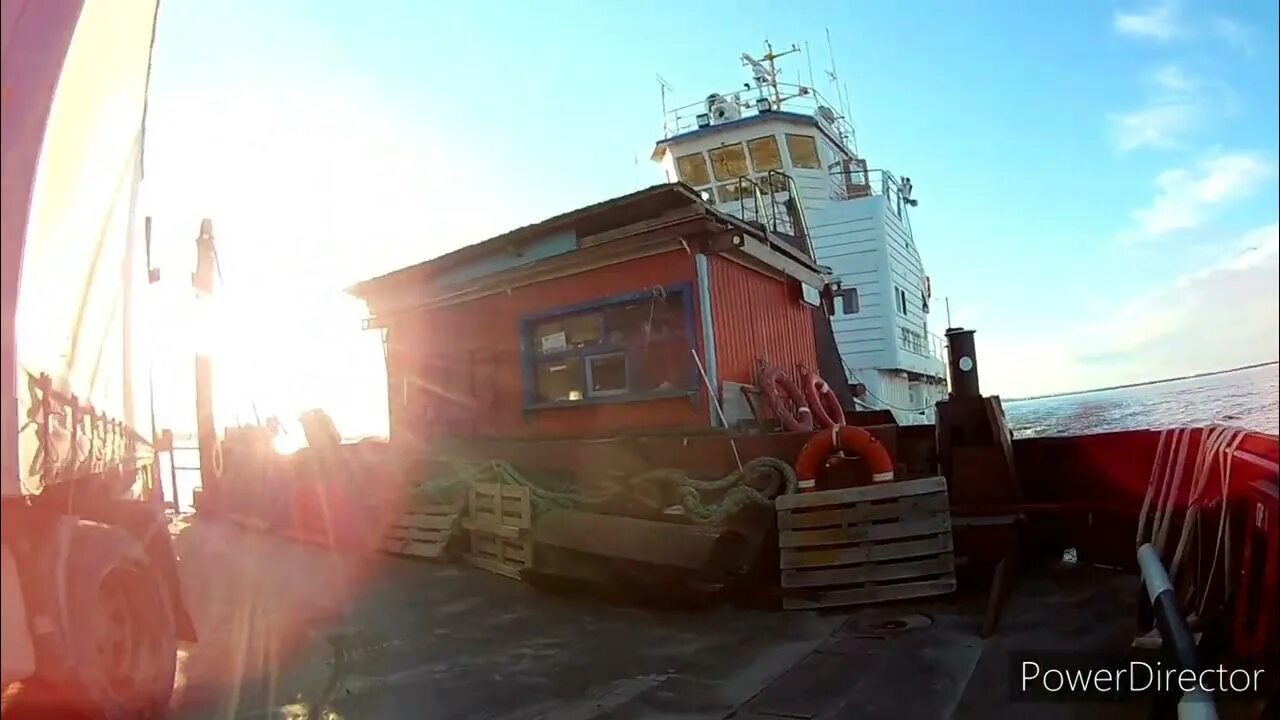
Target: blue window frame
(622, 348)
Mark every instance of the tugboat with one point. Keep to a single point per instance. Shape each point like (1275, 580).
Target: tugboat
(783, 157)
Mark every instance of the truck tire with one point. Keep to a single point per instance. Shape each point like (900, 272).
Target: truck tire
(122, 637)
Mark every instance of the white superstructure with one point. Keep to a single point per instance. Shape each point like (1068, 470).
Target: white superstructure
(780, 155)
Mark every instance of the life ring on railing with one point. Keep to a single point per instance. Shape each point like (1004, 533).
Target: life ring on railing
(823, 445)
(822, 401)
(216, 460)
(777, 389)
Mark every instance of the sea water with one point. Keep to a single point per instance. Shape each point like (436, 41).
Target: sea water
(1247, 398)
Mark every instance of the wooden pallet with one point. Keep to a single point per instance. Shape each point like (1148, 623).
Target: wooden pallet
(498, 554)
(499, 519)
(492, 504)
(423, 530)
(888, 541)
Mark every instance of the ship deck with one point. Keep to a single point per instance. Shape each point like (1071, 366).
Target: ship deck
(445, 641)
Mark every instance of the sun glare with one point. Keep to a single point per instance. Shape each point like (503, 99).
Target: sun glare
(281, 355)
(276, 352)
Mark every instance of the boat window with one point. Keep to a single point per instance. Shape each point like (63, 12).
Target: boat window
(620, 348)
(568, 333)
(901, 296)
(774, 183)
(765, 155)
(607, 374)
(849, 301)
(729, 162)
(803, 150)
(832, 151)
(731, 192)
(560, 380)
(692, 169)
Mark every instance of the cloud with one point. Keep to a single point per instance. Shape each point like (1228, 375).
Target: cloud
(1224, 315)
(1160, 22)
(1173, 79)
(1187, 196)
(1161, 124)
(1235, 33)
(1177, 106)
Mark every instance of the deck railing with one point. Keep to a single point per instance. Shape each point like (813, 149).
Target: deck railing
(923, 344)
(794, 97)
(773, 204)
(852, 180)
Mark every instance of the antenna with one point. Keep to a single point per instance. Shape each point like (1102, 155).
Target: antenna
(773, 70)
(809, 59)
(841, 95)
(663, 88)
(831, 54)
(848, 114)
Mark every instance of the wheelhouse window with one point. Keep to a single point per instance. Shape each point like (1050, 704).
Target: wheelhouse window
(729, 162)
(731, 192)
(765, 155)
(775, 183)
(692, 169)
(803, 150)
(623, 348)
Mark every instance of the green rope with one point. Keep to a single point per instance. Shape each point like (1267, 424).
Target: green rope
(758, 482)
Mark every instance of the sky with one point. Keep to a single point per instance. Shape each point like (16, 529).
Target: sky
(1097, 181)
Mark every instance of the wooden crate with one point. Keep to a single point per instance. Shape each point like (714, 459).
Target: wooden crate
(499, 519)
(423, 530)
(888, 541)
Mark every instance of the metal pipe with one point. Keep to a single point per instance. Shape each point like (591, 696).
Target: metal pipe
(1174, 632)
(708, 334)
(962, 359)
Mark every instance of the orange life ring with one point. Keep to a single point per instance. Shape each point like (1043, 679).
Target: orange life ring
(838, 439)
(776, 386)
(822, 400)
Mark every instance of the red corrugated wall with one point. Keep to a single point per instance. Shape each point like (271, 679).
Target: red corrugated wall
(468, 359)
(756, 316)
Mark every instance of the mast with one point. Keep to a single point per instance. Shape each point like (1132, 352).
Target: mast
(769, 57)
(206, 431)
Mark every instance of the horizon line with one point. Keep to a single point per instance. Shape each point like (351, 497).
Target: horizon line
(1192, 376)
